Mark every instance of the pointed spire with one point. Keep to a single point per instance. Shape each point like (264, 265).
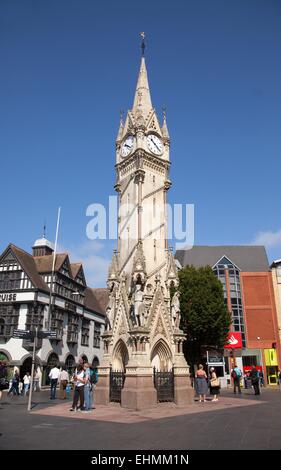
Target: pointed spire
(164, 128)
(121, 127)
(142, 101)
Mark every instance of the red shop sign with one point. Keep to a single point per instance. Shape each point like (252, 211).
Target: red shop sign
(234, 340)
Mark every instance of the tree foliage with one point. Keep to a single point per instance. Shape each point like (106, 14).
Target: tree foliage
(205, 317)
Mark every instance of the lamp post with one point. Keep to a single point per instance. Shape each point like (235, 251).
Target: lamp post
(32, 368)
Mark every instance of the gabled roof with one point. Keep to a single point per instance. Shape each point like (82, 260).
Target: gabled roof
(75, 268)
(28, 265)
(44, 263)
(96, 299)
(248, 258)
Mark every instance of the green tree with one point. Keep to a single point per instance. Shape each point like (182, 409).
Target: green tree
(205, 317)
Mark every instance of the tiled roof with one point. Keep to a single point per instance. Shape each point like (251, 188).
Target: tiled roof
(29, 266)
(44, 263)
(75, 267)
(96, 299)
(248, 258)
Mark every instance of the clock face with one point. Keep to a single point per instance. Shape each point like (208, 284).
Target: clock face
(154, 144)
(127, 145)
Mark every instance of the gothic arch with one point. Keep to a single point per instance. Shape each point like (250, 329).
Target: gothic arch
(120, 356)
(161, 356)
(7, 354)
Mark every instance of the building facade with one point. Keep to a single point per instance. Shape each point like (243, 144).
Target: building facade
(74, 311)
(248, 292)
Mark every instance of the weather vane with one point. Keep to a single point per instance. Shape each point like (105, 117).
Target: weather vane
(142, 43)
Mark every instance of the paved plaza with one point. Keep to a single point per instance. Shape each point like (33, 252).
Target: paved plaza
(235, 422)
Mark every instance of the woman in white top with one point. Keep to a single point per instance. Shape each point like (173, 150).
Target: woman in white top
(26, 382)
(79, 381)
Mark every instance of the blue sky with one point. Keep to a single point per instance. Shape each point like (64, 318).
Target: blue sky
(68, 67)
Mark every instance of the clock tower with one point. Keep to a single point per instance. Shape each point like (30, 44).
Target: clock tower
(143, 335)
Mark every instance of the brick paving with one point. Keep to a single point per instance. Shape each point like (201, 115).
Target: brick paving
(235, 422)
(114, 412)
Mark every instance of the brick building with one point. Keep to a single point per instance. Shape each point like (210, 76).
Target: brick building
(248, 290)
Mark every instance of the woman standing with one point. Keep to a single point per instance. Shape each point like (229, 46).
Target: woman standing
(79, 384)
(214, 384)
(201, 383)
(26, 383)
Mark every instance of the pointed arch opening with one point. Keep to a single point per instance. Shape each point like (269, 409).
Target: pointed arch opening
(161, 356)
(120, 356)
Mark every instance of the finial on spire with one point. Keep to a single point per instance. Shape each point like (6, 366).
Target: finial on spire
(44, 230)
(142, 43)
(164, 109)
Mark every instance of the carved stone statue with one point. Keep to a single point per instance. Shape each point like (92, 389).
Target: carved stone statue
(110, 308)
(138, 305)
(175, 310)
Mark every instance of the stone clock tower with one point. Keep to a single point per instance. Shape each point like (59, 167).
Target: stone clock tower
(143, 332)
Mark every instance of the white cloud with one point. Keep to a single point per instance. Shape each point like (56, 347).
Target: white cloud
(269, 239)
(93, 255)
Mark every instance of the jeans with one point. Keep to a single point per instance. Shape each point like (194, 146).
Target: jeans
(237, 385)
(53, 388)
(88, 396)
(78, 394)
(26, 388)
(14, 388)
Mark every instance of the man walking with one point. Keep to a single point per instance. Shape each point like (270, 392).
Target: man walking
(236, 375)
(255, 380)
(54, 375)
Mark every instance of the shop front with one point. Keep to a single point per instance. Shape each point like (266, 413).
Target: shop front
(271, 364)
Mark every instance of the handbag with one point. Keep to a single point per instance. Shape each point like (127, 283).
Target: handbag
(215, 382)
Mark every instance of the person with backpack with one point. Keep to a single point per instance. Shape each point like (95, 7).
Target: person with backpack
(88, 389)
(95, 379)
(236, 375)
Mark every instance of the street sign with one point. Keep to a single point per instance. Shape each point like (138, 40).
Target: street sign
(23, 334)
(27, 334)
(47, 334)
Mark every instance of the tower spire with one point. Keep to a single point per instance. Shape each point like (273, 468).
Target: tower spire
(142, 101)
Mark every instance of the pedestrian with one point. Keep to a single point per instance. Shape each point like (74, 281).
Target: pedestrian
(54, 375)
(95, 379)
(36, 380)
(255, 380)
(26, 383)
(214, 384)
(88, 389)
(63, 381)
(15, 384)
(79, 384)
(201, 384)
(4, 383)
(279, 379)
(236, 375)
(261, 377)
